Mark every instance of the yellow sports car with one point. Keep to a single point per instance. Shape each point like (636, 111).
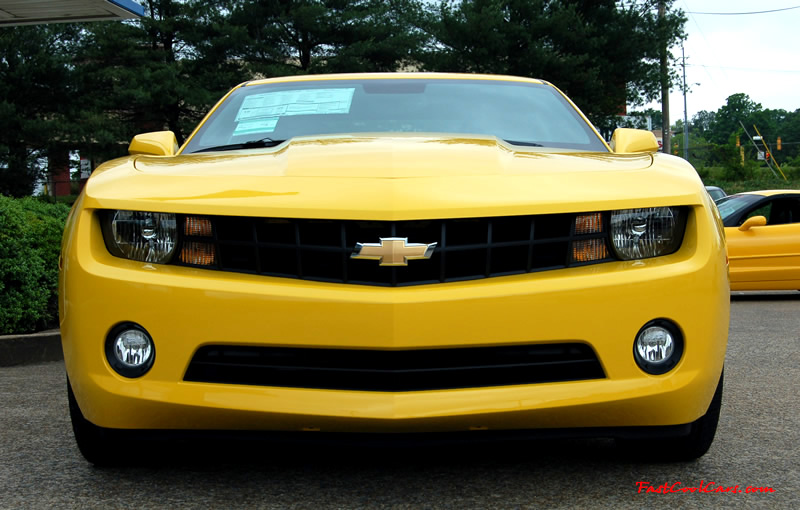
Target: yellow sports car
(409, 255)
(763, 236)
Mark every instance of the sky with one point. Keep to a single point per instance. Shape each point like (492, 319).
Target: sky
(757, 54)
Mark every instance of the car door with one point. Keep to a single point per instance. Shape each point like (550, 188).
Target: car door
(767, 257)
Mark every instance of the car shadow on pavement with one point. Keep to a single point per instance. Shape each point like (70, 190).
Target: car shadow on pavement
(256, 455)
(789, 295)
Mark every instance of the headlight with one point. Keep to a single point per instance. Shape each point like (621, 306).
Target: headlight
(142, 236)
(650, 232)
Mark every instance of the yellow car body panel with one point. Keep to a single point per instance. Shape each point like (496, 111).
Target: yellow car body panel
(765, 257)
(394, 177)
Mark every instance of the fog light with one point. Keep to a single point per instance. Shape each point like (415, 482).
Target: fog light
(658, 346)
(130, 350)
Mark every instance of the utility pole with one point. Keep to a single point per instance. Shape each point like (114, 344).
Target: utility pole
(685, 112)
(666, 144)
(758, 149)
(768, 152)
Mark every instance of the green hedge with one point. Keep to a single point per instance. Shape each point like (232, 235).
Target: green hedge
(30, 242)
(760, 179)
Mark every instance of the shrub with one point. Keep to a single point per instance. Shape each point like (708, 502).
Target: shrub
(30, 242)
(704, 172)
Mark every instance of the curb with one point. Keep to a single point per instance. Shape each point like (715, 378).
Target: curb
(33, 348)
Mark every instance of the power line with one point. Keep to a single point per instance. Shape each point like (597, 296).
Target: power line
(743, 13)
(747, 69)
(694, 20)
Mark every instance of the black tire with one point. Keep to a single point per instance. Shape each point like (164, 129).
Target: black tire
(95, 443)
(684, 448)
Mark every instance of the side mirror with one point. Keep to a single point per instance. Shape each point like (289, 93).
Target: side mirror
(628, 141)
(755, 221)
(157, 143)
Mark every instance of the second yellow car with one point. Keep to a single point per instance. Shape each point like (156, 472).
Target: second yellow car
(763, 233)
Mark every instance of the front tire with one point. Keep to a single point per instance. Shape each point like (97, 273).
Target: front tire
(680, 449)
(95, 443)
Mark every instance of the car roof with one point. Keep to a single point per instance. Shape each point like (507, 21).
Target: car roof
(772, 192)
(394, 76)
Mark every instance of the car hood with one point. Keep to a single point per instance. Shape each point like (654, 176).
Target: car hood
(391, 177)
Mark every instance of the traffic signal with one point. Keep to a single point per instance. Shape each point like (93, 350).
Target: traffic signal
(739, 144)
(779, 143)
(767, 157)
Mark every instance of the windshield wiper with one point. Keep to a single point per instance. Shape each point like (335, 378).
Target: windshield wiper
(252, 144)
(528, 144)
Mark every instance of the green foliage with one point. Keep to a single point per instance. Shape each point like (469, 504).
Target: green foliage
(35, 94)
(163, 71)
(638, 119)
(792, 170)
(734, 170)
(759, 178)
(738, 108)
(701, 123)
(30, 240)
(603, 54)
(282, 37)
(713, 137)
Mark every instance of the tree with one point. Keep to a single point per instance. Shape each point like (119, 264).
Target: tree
(701, 122)
(319, 36)
(603, 54)
(163, 71)
(790, 132)
(638, 119)
(36, 91)
(738, 107)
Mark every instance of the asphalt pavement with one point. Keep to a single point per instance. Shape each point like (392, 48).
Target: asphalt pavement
(757, 445)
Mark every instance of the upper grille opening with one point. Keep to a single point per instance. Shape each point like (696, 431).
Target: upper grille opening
(320, 249)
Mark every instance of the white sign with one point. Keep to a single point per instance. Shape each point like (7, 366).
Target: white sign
(86, 168)
(296, 102)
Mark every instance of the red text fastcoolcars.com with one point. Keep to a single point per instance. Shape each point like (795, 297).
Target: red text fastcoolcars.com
(704, 487)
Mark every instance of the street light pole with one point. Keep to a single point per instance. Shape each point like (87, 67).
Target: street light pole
(666, 135)
(685, 112)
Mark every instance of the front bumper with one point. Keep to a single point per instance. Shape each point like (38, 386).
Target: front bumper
(601, 305)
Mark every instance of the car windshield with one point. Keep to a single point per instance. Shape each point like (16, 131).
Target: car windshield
(520, 113)
(733, 204)
(716, 193)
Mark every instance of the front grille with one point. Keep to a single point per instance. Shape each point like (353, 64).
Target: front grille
(392, 371)
(466, 249)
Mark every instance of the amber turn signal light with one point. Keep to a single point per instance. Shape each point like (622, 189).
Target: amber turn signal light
(194, 226)
(198, 254)
(588, 223)
(587, 250)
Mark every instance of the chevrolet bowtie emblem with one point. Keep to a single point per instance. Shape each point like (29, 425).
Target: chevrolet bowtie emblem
(393, 251)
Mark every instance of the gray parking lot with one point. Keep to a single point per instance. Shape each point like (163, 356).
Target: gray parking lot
(756, 446)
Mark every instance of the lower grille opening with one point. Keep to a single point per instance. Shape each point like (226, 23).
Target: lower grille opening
(394, 371)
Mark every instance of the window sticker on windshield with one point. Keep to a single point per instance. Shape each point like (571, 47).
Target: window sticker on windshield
(296, 102)
(246, 127)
